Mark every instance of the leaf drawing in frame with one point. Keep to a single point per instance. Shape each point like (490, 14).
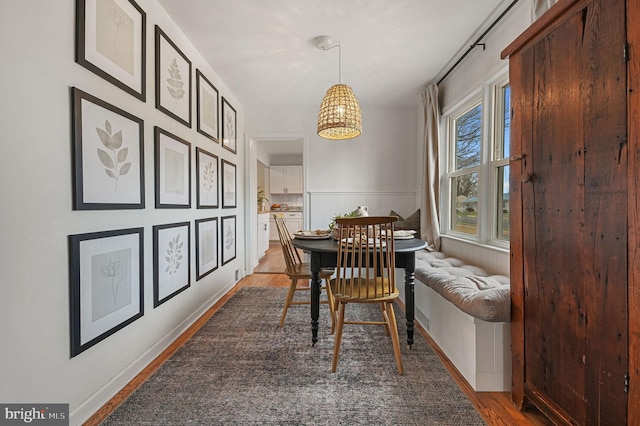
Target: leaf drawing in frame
(172, 171)
(207, 175)
(207, 102)
(228, 239)
(113, 162)
(174, 82)
(229, 126)
(110, 41)
(106, 272)
(174, 256)
(108, 155)
(229, 189)
(173, 79)
(206, 246)
(171, 268)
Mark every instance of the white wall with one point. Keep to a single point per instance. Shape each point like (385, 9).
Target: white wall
(474, 71)
(37, 216)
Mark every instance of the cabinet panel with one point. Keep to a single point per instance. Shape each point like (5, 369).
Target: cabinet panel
(263, 234)
(293, 178)
(569, 246)
(276, 180)
(285, 179)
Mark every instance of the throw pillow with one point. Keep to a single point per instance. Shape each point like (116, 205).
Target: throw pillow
(410, 223)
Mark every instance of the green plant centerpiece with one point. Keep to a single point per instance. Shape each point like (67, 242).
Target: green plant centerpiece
(262, 200)
(332, 224)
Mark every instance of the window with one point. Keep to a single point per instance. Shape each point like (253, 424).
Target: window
(477, 173)
(464, 176)
(501, 162)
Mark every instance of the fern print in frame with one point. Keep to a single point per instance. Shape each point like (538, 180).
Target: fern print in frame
(207, 179)
(171, 273)
(229, 126)
(228, 239)
(108, 155)
(173, 79)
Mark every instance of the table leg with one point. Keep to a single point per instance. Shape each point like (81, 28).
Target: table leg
(315, 296)
(409, 294)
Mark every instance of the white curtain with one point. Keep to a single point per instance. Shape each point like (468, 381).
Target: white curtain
(538, 7)
(431, 192)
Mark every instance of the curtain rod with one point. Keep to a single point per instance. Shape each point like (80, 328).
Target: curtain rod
(477, 42)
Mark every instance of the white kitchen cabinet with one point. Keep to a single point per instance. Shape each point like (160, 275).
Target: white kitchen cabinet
(293, 220)
(285, 179)
(263, 234)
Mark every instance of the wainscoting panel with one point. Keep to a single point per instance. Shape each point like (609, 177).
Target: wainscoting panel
(323, 206)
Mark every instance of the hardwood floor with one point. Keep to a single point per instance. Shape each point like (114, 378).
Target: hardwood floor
(495, 407)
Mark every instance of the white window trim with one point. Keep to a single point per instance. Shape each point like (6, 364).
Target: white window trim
(487, 95)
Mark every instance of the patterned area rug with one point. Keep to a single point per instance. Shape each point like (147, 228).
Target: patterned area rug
(241, 368)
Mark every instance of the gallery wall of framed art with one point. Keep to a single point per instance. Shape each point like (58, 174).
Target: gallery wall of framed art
(119, 144)
(80, 125)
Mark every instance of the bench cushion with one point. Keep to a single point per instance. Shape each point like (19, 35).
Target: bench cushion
(470, 288)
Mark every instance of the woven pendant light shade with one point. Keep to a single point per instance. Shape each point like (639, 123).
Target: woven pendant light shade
(339, 116)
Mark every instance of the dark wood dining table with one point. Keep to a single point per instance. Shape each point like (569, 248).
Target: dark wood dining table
(324, 254)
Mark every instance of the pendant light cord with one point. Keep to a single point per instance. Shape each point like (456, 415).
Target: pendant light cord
(337, 44)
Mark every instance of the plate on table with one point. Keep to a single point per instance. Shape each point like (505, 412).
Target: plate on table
(312, 235)
(403, 234)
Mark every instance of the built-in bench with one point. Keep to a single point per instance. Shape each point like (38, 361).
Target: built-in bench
(466, 311)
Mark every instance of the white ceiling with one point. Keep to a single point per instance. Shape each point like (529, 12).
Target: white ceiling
(264, 50)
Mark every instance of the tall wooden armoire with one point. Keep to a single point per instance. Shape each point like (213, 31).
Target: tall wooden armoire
(575, 213)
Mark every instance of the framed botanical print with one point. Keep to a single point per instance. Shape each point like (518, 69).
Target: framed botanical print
(171, 261)
(173, 79)
(173, 170)
(106, 284)
(229, 126)
(207, 179)
(108, 155)
(206, 246)
(207, 101)
(229, 196)
(110, 41)
(228, 239)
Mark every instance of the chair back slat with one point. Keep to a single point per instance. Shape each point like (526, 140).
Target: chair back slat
(291, 254)
(366, 261)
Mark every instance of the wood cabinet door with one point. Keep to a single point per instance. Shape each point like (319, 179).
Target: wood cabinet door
(570, 306)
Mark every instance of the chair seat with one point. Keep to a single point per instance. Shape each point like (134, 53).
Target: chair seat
(362, 289)
(303, 271)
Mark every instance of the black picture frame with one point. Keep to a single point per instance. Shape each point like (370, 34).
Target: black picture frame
(171, 260)
(99, 264)
(207, 243)
(171, 65)
(111, 42)
(108, 155)
(229, 126)
(229, 184)
(228, 229)
(206, 179)
(207, 101)
(172, 158)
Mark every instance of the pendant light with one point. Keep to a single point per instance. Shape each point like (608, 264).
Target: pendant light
(339, 116)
